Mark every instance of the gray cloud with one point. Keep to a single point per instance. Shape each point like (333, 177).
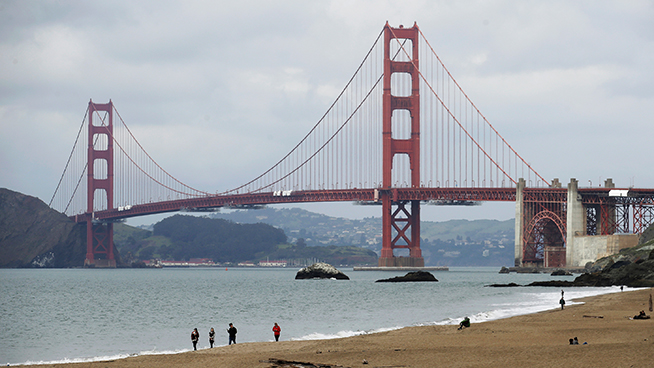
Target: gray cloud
(218, 91)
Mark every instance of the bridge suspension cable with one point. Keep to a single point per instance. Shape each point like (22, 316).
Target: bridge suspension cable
(141, 178)
(338, 150)
(530, 170)
(342, 150)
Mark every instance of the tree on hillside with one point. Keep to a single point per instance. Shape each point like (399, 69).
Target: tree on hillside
(220, 240)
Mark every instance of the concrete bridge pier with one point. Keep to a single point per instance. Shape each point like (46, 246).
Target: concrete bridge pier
(519, 221)
(575, 220)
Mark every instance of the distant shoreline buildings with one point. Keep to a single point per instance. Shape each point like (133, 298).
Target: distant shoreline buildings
(206, 262)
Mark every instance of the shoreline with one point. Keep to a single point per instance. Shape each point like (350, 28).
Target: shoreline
(534, 340)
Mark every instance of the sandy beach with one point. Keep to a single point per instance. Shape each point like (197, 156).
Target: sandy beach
(537, 340)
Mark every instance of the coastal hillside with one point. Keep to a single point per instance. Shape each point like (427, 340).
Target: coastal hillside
(182, 238)
(448, 243)
(318, 229)
(34, 235)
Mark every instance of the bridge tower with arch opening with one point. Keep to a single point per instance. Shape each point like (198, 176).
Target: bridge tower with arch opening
(400, 218)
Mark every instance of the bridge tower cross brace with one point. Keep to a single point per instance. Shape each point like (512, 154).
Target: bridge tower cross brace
(100, 236)
(405, 219)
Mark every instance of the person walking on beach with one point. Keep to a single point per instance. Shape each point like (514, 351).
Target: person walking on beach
(232, 334)
(276, 331)
(562, 302)
(195, 336)
(212, 334)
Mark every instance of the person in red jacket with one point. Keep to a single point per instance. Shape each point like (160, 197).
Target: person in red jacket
(277, 331)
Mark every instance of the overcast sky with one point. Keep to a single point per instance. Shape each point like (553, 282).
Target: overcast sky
(217, 91)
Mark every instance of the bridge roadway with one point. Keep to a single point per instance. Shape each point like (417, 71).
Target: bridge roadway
(370, 196)
(348, 195)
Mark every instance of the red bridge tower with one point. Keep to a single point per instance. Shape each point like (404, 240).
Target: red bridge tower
(100, 180)
(399, 215)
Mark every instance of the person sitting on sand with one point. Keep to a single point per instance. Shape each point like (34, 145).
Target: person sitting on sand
(575, 341)
(641, 315)
(464, 323)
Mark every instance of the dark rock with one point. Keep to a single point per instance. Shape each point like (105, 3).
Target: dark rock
(636, 273)
(34, 235)
(647, 235)
(633, 274)
(512, 284)
(561, 273)
(320, 271)
(521, 270)
(554, 283)
(528, 270)
(412, 277)
(617, 264)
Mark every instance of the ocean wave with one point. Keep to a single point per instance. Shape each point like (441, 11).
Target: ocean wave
(534, 303)
(101, 358)
(342, 334)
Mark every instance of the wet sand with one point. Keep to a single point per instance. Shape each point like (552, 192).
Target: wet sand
(535, 340)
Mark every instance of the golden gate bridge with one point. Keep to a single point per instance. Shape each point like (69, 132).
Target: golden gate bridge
(401, 132)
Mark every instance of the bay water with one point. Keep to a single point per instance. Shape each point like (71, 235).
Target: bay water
(78, 315)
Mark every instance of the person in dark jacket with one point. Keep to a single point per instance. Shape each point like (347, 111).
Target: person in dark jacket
(212, 334)
(195, 336)
(465, 323)
(232, 334)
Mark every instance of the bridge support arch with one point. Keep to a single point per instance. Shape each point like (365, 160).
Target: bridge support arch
(400, 219)
(541, 226)
(559, 227)
(544, 242)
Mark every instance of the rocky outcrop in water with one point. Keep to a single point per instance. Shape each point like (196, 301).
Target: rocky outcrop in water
(34, 235)
(561, 273)
(512, 284)
(320, 271)
(633, 274)
(412, 277)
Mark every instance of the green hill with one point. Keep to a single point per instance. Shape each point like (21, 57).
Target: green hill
(184, 237)
(34, 235)
(448, 243)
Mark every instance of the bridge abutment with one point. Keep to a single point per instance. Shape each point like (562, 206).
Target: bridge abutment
(569, 228)
(575, 221)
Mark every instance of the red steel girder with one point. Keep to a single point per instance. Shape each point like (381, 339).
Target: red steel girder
(349, 195)
(545, 195)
